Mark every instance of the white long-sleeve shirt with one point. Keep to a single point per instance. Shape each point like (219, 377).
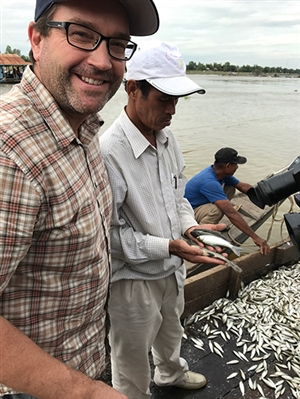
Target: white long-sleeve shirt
(149, 207)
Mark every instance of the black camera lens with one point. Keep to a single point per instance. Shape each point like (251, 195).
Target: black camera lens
(276, 188)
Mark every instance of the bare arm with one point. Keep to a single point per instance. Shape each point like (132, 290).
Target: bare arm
(27, 368)
(243, 187)
(238, 221)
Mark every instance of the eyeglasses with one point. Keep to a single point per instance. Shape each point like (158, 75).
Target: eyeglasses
(84, 38)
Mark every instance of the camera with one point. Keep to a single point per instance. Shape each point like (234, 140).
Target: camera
(278, 187)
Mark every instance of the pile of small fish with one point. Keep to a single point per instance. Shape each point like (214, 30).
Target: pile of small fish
(265, 320)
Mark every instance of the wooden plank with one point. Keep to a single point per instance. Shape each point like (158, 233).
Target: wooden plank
(204, 300)
(202, 289)
(207, 281)
(286, 253)
(255, 265)
(234, 284)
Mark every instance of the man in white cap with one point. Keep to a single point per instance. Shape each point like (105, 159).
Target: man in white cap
(150, 216)
(56, 201)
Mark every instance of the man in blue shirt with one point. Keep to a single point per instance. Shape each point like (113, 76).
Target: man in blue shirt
(211, 190)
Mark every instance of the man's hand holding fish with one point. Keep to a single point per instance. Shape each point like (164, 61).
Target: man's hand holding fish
(197, 253)
(212, 227)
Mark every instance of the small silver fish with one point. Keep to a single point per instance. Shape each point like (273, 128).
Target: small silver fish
(215, 241)
(211, 254)
(232, 376)
(242, 388)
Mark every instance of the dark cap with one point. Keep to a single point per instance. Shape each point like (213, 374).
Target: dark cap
(142, 14)
(229, 155)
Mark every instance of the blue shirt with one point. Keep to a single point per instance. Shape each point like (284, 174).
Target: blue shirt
(205, 188)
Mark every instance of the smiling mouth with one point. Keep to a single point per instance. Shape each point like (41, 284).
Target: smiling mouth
(92, 81)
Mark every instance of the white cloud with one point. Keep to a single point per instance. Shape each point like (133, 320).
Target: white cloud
(242, 32)
(14, 19)
(263, 32)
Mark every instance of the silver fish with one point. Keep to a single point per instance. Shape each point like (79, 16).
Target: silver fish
(242, 388)
(232, 376)
(215, 241)
(233, 362)
(211, 254)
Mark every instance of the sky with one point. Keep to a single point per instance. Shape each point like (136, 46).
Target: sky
(242, 32)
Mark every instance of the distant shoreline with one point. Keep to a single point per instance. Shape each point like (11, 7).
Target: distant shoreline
(235, 74)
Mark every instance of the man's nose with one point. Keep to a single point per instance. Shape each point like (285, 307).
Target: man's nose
(171, 107)
(100, 57)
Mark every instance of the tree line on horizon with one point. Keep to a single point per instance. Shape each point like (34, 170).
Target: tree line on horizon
(198, 66)
(230, 68)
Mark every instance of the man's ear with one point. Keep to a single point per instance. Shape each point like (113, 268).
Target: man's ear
(131, 88)
(35, 41)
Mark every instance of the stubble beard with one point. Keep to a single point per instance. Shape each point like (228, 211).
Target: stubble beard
(73, 102)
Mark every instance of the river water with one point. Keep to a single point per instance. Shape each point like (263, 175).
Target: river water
(258, 116)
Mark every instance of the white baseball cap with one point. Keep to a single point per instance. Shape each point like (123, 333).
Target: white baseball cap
(162, 65)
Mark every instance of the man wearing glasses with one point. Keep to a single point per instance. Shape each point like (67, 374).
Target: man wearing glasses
(55, 199)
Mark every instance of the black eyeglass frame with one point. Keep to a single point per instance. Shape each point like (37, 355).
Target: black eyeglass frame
(66, 25)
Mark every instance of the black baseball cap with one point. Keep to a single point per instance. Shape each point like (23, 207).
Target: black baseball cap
(229, 155)
(142, 14)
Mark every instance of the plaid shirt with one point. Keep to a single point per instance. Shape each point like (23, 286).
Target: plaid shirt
(55, 210)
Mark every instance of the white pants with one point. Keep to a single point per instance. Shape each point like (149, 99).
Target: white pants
(145, 315)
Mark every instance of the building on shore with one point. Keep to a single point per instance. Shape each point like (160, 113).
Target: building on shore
(11, 68)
